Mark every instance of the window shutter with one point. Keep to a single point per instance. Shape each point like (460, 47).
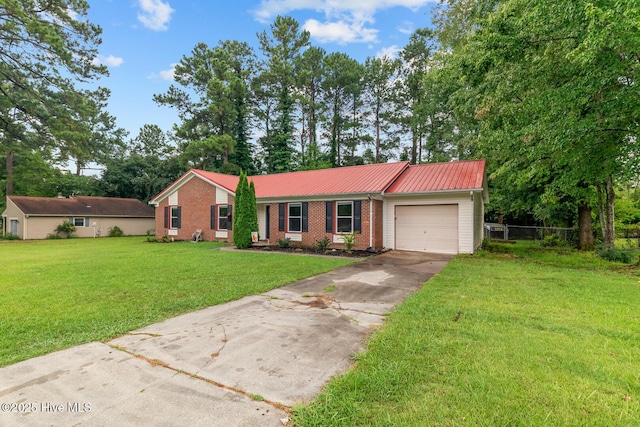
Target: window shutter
(229, 217)
(357, 216)
(329, 220)
(281, 217)
(213, 217)
(166, 217)
(305, 216)
(86, 221)
(179, 216)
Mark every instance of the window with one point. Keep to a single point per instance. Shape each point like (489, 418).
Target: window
(295, 217)
(345, 217)
(175, 216)
(223, 217)
(79, 222)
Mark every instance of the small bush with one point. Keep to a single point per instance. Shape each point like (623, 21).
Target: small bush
(553, 241)
(53, 236)
(349, 241)
(115, 231)
(10, 236)
(322, 245)
(151, 236)
(616, 255)
(284, 244)
(66, 228)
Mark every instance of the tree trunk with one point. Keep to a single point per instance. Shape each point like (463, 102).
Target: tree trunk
(9, 173)
(585, 229)
(609, 232)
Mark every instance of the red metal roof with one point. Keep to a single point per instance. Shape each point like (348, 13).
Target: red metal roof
(464, 175)
(394, 178)
(346, 180)
(363, 179)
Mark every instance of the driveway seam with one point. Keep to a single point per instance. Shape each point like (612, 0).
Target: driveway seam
(156, 362)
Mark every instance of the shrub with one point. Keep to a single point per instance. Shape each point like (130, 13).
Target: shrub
(115, 231)
(151, 236)
(349, 241)
(322, 245)
(66, 228)
(245, 218)
(53, 236)
(616, 255)
(284, 244)
(10, 236)
(552, 241)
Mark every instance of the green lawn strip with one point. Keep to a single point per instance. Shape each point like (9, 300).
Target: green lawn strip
(497, 340)
(56, 294)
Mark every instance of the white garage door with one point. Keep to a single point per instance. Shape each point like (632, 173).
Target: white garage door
(432, 228)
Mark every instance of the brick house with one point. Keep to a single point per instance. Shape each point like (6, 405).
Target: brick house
(431, 208)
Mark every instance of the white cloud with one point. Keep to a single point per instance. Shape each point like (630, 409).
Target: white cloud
(347, 21)
(390, 52)
(155, 14)
(164, 74)
(109, 61)
(406, 27)
(340, 32)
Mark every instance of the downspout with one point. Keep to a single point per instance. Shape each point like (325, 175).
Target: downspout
(370, 221)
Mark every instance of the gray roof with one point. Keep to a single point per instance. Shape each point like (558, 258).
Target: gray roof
(83, 206)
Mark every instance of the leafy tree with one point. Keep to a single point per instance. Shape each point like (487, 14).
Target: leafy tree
(281, 50)
(45, 49)
(139, 177)
(553, 86)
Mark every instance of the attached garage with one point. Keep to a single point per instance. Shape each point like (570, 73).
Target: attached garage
(436, 208)
(427, 228)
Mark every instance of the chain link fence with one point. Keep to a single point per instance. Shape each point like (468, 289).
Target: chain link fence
(494, 231)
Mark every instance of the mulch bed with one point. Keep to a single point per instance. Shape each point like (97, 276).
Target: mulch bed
(312, 251)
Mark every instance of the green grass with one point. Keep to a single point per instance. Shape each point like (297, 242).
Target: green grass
(56, 294)
(538, 339)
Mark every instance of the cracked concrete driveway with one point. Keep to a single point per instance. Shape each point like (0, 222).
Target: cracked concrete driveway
(244, 363)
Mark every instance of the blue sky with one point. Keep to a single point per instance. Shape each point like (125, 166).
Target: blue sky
(142, 39)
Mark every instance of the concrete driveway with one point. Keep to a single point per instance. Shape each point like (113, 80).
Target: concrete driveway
(243, 363)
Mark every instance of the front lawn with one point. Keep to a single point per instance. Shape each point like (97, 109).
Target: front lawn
(58, 293)
(522, 338)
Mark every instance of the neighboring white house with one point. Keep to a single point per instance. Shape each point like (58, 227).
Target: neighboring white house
(36, 217)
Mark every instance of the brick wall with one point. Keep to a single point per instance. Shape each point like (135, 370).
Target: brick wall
(195, 199)
(317, 226)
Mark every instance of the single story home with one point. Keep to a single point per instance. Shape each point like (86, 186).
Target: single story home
(430, 208)
(36, 217)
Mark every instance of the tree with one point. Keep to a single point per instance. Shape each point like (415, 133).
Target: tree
(281, 51)
(45, 49)
(342, 77)
(245, 219)
(554, 87)
(381, 87)
(209, 122)
(151, 141)
(309, 74)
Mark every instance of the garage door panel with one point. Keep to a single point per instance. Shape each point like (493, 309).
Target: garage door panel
(427, 228)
